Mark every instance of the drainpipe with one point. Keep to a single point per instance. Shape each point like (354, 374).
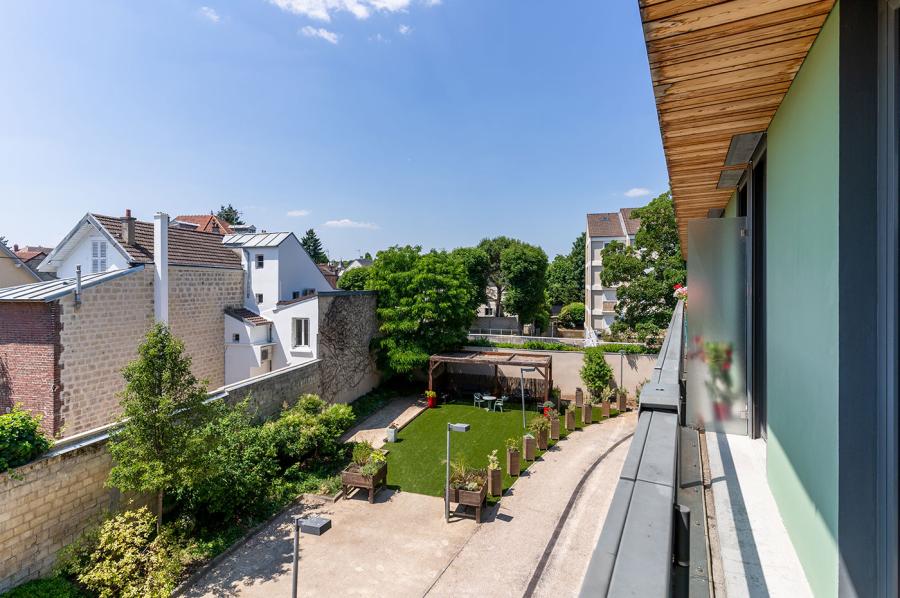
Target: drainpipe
(78, 285)
(161, 267)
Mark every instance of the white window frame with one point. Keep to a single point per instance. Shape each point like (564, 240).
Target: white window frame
(488, 311)
(260, 261)
(298, 341)
(259, 298)
(99, 253)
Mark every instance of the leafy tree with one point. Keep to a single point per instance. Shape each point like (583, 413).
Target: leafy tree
(477, 265)
(572, 315)
(367, 256)
(524, 268)
(355, 279)
(649, 269)
(496, 276)
(21, 438)
(565, 276)
(162, 405)
(230, 214)
(313, 246)
(424, 305)
(596, 372)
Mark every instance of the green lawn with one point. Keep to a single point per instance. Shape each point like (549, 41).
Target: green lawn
(416, 461)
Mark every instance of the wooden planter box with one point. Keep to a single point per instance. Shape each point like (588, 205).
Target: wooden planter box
(542, 439)
(606, 409)
(570, 419)
(528, 447)
(587, 414)
(469, 498)
(495, 482)
(513, 465)
(351, 478)
(621, 405)
(579, 397)
(554, 428)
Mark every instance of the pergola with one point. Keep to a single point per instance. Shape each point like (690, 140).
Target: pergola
(543, 364)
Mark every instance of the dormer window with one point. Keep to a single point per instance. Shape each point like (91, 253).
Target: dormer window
(98, 256)
(260, 261)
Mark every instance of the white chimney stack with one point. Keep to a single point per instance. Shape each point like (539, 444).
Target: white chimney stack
(161, 267)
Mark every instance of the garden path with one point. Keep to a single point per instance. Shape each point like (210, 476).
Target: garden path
(538, 540)
(399, 411)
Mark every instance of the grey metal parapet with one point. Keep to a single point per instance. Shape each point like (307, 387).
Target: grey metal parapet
(633, 556)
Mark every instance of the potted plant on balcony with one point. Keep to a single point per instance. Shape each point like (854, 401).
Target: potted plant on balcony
(468, 486)
(570, 417)
(528, 447)
(431, 397)
(513, 465)
(367, 471)
(553, 418)
(495, 476)
(539, 427)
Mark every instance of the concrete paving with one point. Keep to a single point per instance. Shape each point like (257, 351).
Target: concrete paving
(399, 411)
(757, 556)
(538, 540)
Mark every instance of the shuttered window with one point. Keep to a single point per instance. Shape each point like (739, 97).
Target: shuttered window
(98, 256)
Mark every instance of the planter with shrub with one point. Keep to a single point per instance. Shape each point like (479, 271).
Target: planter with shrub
(570, 418)
(368, 471)
(495, 476)
(431, 397)
(513, 464)
(553, 416)
(468, 486)
(587, 411)
(622, 396)
(529, 447)
(540, 429)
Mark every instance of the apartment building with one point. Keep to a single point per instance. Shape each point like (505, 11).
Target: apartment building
(603, 229)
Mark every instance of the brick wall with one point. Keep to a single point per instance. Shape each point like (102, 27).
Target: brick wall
(98, 339)
(47, 505)
(197, 299)
(29, 346)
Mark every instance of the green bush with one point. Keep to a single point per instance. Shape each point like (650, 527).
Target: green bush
(21, 438)
(355, 279)
(629, 349)
(307, 431)
(52, 587)
(595, 373)
(237, 467)
(572, 315)
(129, 559)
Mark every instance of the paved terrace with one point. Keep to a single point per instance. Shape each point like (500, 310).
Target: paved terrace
(537, 542)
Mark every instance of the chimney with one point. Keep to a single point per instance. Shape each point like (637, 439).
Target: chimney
(128, 228)
(161, 267)
(16, 247)
(78, 284)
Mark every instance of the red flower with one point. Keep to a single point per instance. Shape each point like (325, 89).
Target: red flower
(677, 286)
(726, 366)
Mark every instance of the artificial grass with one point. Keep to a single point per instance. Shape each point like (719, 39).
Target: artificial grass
(416, 460)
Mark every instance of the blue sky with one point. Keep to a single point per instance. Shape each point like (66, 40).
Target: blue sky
(376, 122)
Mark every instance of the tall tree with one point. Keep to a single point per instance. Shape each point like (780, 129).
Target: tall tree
(649, 269)
(355, 279)
(424, 306)
(313, 247)
(162, 405)
(524, 269)
(565, 276)
(230, 214)
(496, 277)
(477, 265)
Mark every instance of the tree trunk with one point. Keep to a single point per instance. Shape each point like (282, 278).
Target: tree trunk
(159, 510)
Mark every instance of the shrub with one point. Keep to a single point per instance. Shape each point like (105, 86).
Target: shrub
(361, 453)
(130, 559)
(595, 373)
(52, 587)
(355, 279)
(572, 315)
(307, 431)
(512, 445)
(310, 404)
(646, 330)
(539, 424)
(628, 349)
(21, 438)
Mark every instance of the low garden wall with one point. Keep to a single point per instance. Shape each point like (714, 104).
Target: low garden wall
(636, 369)
(46, 504)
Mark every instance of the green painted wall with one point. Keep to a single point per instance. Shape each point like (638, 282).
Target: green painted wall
(802, 307)
(731, 208)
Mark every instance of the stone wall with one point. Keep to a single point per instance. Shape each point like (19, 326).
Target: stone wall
(269, 392)
(197, 300)
(46, 505)
(347, 324)
(29, 347)
(98, 338)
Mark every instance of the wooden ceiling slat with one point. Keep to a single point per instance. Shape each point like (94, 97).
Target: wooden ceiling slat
(743, 77)
(711, 99)
(732, 109)
(661, 9)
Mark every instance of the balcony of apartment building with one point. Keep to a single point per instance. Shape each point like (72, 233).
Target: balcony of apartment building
(604, 308)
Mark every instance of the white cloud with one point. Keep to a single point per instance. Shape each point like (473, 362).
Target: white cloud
(329, 36)
(379, 38)
(347, 223)
(323, 10)
(297, 213)
(637, 192)
(404, 29)
(209, 14)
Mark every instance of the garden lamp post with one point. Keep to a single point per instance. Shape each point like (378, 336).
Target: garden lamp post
(450, 428)
(522, 388)
(310, 525)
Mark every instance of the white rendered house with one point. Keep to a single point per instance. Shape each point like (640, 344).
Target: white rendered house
(600, 300)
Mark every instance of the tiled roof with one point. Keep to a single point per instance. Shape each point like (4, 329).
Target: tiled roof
(329, 273)
(25, 255)
(247, 316)
(631, 224)
(186, 247)
(606, 224)
(205, 223)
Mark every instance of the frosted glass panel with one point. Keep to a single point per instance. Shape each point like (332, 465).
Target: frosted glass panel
(717, 325)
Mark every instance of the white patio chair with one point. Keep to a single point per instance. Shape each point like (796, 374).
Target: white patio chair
(478, 399)
(498, 404)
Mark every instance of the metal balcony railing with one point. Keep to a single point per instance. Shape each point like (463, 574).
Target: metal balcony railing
(635, 554)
